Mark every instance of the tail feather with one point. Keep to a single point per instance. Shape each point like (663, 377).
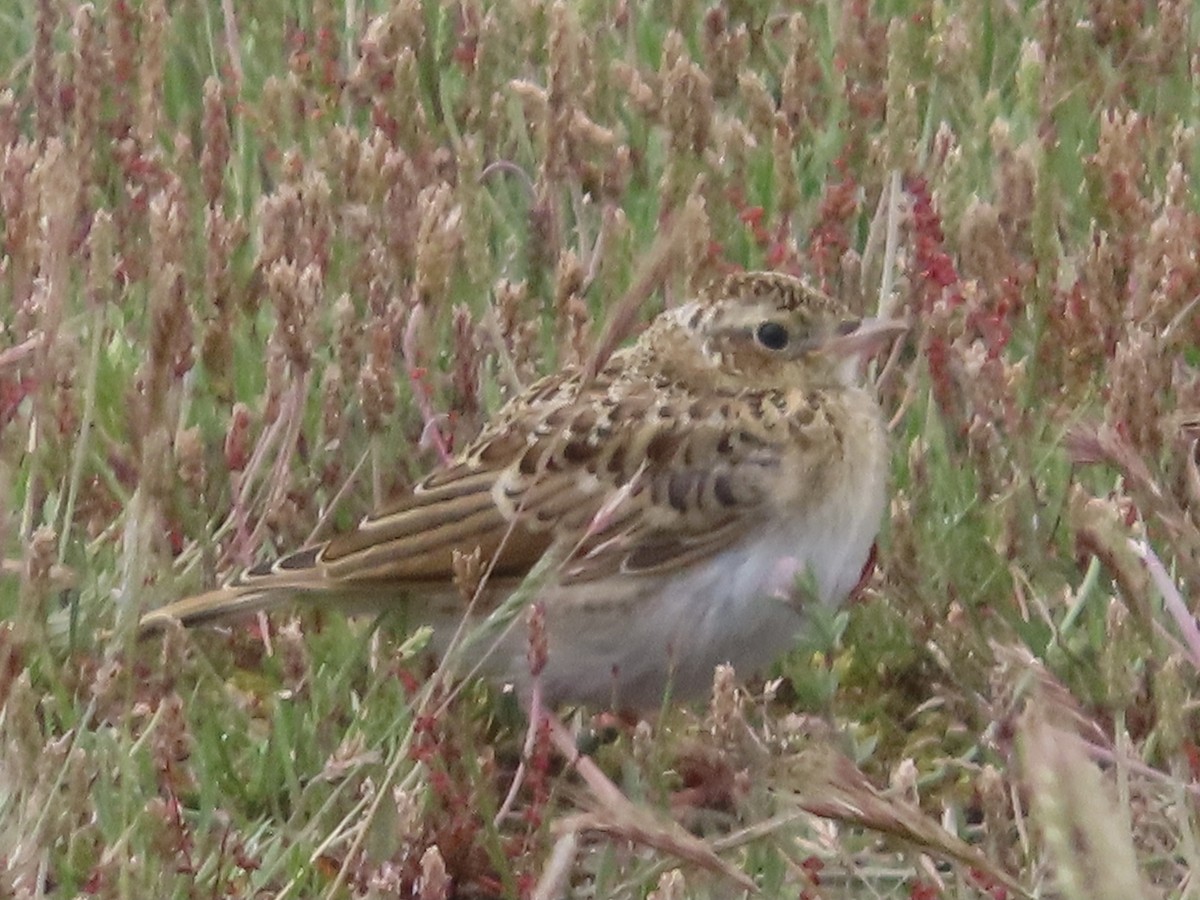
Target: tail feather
(266, 593)
(221, 603)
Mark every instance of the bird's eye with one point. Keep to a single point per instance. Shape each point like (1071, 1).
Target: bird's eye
(772, 335)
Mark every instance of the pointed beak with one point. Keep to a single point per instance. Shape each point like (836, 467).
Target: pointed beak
(865, 338)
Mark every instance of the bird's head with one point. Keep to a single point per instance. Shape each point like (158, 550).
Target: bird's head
(764, 330)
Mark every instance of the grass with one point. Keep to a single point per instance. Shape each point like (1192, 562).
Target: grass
(218, 229)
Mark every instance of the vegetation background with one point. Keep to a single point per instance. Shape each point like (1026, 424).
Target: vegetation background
(263, 262)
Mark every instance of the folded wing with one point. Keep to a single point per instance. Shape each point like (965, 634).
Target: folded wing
(628, 483)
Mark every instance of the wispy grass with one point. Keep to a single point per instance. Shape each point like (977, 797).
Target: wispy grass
(219, 227)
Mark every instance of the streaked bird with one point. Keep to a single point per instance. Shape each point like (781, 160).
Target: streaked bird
(681, 492)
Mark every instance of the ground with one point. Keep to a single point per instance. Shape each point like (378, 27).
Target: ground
(264, 263)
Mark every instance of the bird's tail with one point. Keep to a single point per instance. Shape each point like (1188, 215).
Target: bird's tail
(222, 603)
(262, 593)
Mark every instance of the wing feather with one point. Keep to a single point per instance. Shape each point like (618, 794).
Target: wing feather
(690, 481)
(637, 482)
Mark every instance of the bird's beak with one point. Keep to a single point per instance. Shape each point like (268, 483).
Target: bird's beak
(868, 337)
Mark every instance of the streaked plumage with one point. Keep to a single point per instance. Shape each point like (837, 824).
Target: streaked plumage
(684, 487)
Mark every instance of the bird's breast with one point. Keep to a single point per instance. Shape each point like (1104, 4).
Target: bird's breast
(831, 497)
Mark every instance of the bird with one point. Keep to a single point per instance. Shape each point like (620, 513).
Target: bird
(681, 491)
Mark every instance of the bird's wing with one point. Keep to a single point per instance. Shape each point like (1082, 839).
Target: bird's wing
(635, 481)
(703, 480)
